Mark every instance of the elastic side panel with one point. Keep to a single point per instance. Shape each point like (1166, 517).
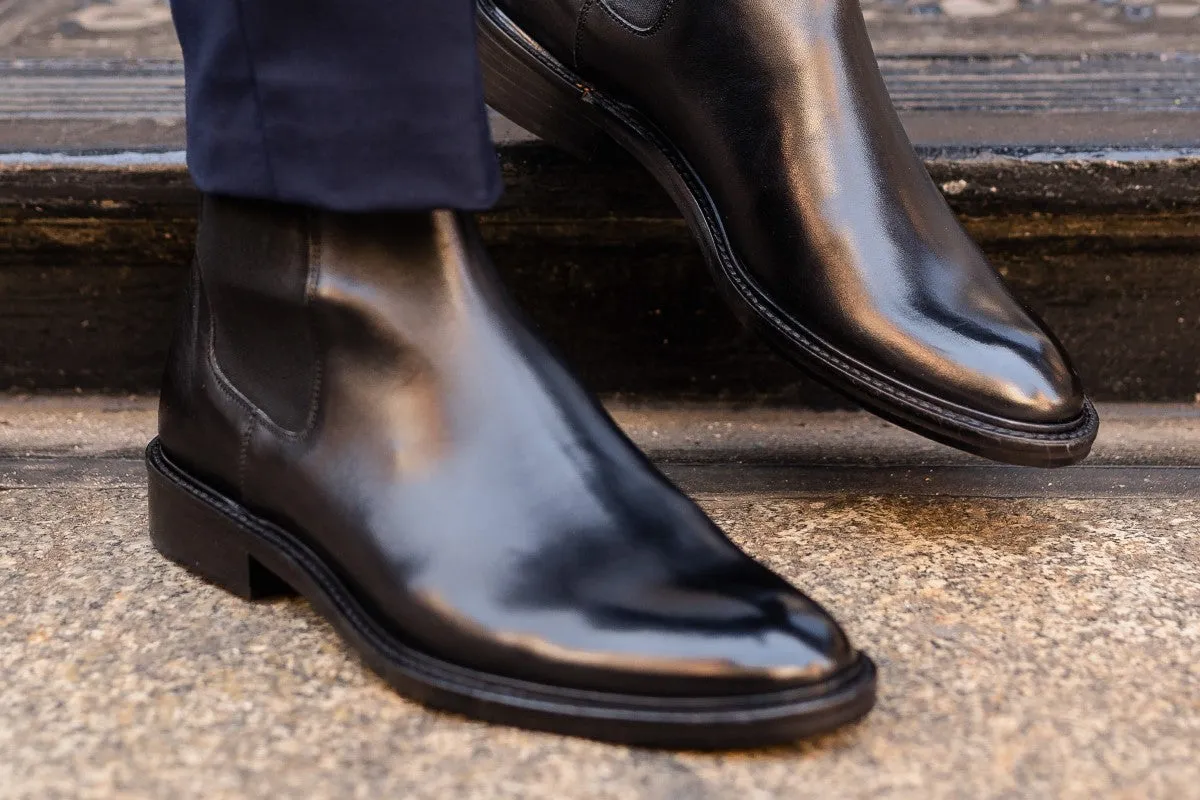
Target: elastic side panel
(642, 14)
(254, 261)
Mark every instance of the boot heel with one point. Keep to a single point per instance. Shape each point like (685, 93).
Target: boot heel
(532, 95)
(201, 538)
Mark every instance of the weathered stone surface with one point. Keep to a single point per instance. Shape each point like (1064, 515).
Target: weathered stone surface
(88, 293)
(1167, 435)
(1027, 648)
(1088, 201)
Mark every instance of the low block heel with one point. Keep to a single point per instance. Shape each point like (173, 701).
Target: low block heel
(202, 538)
(533, 96)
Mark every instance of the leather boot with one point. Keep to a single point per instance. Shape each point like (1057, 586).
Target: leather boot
(353, 411)
(768, 123)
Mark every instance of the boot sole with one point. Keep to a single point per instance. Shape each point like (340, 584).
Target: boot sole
(219, 540)
(533, 89)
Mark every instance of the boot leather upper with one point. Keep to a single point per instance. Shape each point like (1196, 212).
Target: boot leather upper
(362, 382)
(779, 107)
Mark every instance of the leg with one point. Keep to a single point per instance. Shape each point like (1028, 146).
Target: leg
(340, 105)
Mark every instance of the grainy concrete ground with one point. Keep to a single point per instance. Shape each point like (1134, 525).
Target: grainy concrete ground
(1029, 647)
(1149, 434)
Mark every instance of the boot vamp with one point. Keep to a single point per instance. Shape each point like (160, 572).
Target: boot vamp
(780, 110)
(488, 511)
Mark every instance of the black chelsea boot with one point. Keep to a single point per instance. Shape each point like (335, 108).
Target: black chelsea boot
(353, 411)
(768, 123)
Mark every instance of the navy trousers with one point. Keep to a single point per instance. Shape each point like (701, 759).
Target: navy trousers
(347, 105)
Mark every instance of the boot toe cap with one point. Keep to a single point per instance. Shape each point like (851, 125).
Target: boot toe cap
(1037, 389)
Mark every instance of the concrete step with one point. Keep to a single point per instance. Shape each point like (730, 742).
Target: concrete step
(994, 100)
(1079, 175)
(1144, 450)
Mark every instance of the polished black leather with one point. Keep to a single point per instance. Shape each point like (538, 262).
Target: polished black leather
(780, 108)
(452, 472)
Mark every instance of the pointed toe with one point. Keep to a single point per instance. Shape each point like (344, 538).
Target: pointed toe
(1044, 392)
(824, 636)
(1008, 370)
(820, 223)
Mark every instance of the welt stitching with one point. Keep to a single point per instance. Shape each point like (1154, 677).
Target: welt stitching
(636, 31)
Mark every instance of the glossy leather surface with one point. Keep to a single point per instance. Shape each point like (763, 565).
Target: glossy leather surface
(453, 472)
(780, 108)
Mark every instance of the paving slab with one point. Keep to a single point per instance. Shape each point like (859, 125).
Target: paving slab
(1131, 434)
(1029, 647)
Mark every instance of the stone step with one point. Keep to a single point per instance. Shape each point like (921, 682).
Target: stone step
(1143, 100)
(1143, 450)
(1079, 176)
